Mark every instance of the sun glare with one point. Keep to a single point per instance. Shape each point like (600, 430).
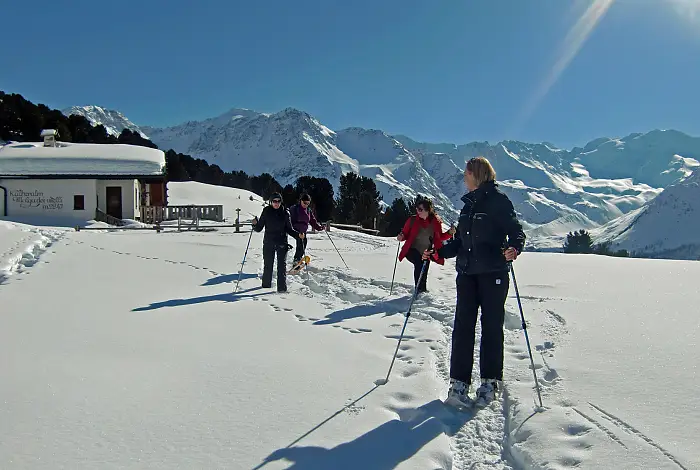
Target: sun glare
(572, 44)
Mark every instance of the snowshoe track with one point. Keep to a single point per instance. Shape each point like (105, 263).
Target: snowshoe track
(20, 264)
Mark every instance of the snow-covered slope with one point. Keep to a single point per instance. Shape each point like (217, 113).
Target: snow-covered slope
(666, 227)
(550, 190)
(182, 193)
(291, 143)
(113, 121)
(658, 158)
(548, 187)
(174, 370)
(185, 136)
(554, 190)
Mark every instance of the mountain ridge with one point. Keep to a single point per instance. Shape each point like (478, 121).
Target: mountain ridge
(554, 190)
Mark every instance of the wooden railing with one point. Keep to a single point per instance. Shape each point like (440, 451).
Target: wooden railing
(213, 212)
(152, 214)
(111, 220)
(358, 228)
(158, 214)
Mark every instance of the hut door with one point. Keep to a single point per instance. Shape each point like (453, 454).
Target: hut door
(114, 201)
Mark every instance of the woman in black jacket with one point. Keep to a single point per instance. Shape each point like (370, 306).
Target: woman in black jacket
(276, 221)
(489, 236)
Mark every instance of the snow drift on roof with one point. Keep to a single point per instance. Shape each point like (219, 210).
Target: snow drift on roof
(32, 159)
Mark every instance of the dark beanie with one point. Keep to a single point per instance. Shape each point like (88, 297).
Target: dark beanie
(276, 196)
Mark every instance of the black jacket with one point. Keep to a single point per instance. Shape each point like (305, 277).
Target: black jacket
(277, 224)
(486, 219)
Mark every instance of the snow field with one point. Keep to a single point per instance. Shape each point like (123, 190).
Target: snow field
(136, 353)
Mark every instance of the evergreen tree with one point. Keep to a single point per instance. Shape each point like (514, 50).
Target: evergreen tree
(130, 137)
(289, 195)
(265, 185)
(358, 201)
(174, 167)
(578, 242)
(348, 193)
(321, 192)
(394, 218)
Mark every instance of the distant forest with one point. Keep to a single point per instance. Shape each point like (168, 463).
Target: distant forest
(358, 201)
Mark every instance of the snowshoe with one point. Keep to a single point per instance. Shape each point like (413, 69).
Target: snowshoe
(299, 265)
(486, 393)
(458, 396)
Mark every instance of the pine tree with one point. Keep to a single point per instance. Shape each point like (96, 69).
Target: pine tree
(394, 218)
(358, 200)
(578, 242)
(289, 195)
(321, 192)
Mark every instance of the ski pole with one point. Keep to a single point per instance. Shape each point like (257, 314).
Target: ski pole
(408, 314)
(396, 261)
(243, 262)
(527, 339)
(336, 249)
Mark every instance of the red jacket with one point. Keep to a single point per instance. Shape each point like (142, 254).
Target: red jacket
(410, 231)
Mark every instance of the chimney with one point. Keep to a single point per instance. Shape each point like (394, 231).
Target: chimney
(49, 136)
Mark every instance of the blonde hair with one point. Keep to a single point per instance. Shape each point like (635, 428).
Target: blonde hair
(482, 170)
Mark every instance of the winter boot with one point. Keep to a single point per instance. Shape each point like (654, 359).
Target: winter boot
(458, 395)
(486, 393)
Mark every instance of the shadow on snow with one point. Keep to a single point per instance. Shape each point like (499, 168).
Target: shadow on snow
(226, 278)
(381, 448)
(225, 297)
(388, 307)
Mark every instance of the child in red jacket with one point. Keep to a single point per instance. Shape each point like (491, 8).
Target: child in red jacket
(418, 232)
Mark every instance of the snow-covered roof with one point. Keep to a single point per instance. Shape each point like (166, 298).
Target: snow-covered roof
(33, 159)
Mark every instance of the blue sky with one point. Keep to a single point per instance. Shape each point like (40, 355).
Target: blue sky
(453, 71)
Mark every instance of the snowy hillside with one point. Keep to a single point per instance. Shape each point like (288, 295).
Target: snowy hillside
(181, 193)
(658, 158)
(554, 190)
(666, 227)
(292, 143)
(186, 135)
(174, 370)
(113, 121)
(552, 194)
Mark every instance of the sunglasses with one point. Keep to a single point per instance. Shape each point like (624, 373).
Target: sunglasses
(276, 201)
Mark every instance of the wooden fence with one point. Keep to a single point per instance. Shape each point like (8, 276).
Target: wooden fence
(188, 218)
(157, 214)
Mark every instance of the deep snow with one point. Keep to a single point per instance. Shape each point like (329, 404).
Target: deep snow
(129, 349)
(67, 158)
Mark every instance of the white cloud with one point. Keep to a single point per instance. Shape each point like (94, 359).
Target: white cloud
(689, 9)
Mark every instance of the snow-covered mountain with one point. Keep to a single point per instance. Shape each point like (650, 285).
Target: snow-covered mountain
(666, 227)
(554, 190)
(113, 121)
(187, 134)
(292, 143)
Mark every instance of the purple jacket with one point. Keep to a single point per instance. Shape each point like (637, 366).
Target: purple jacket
(301, 218)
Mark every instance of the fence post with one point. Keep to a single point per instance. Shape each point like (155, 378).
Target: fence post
(328, 226)
(238, 220)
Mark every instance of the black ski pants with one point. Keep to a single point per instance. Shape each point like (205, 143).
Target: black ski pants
(301, 248)
(414, 257)
(488, 291)
(270, 251)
